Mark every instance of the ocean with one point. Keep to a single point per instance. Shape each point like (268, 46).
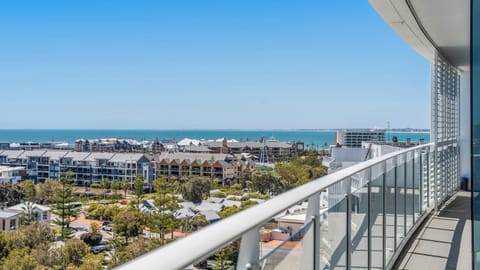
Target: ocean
(315, 138)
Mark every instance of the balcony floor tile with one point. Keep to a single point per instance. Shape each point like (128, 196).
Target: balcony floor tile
(444, 242)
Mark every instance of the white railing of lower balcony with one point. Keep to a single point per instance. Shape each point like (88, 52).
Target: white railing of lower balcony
(358, 217)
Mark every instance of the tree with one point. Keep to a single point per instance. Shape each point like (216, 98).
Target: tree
(138, 188)
(105, 184)
(28, 216)
(293, 174)
(29, 192)
(266, 182)
(199, 220)
(196, 188)
(91, 238)
(116, 185)
(32, 247)
(46, 191)
(89, 262)
(135, 249)
(128, 223)
(45, 256)
(64, 207)
(245, 177)
(73, 252)
(104, 212)
(95, 227)
(10, 194)
(125, 185)
(19, 259)
(162, 221)
(31, 236)
(28, 189)
(227, 257)
(221, 261)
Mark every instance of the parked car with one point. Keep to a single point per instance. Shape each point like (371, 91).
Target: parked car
(105, 244)
(106, 226)
(79, 229)
(97, 249)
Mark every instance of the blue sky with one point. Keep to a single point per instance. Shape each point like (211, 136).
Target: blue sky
(206, 65)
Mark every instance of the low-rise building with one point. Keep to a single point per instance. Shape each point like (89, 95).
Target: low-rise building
(275, 150)
(113, 145)
(354, 138)
(9, 220)
(87, 167)
(34, 145)
(40, 213)
(223, 167)
(12, 175)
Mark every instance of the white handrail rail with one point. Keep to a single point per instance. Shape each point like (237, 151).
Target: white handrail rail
(183, 252)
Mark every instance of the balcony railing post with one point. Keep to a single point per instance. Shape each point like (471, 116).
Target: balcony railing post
(348, 200)
(428, 177)
(421, 183)
(249, 250)
(369, 216)
(311, 239)
(395, 227)
(405, 195)
(413, 186)
(384, 214)
(435, 180)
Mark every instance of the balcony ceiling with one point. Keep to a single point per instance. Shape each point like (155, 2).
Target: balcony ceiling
(442, 25)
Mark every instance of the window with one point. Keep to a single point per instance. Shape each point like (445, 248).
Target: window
(44, 215)
(13, 224)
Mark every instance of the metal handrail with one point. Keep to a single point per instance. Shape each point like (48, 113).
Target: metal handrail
(183, 252)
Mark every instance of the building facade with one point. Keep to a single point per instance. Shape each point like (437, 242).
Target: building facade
(220, 167)
(12, 175)
(275, 150)
(87, 167)
(354, 138)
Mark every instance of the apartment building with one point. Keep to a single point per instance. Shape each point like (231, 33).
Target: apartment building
(275, 149)
(34, 145)
(12, 175)
(114, 145)
(222, 167)
(87, 167)
(354, 138)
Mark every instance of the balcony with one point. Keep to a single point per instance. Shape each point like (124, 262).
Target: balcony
(361, 217)
(401, 210)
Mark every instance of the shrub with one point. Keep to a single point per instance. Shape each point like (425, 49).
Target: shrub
(236, 187)
(96, 185)
(218, 194)
(91, 239)
(247, 204)
(256, 195)
(235, 192)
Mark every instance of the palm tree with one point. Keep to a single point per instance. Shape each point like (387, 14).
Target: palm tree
(125, 185)
(105, 184)
(115, 186)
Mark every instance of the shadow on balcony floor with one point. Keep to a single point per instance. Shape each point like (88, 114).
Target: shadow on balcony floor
(444, 241)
